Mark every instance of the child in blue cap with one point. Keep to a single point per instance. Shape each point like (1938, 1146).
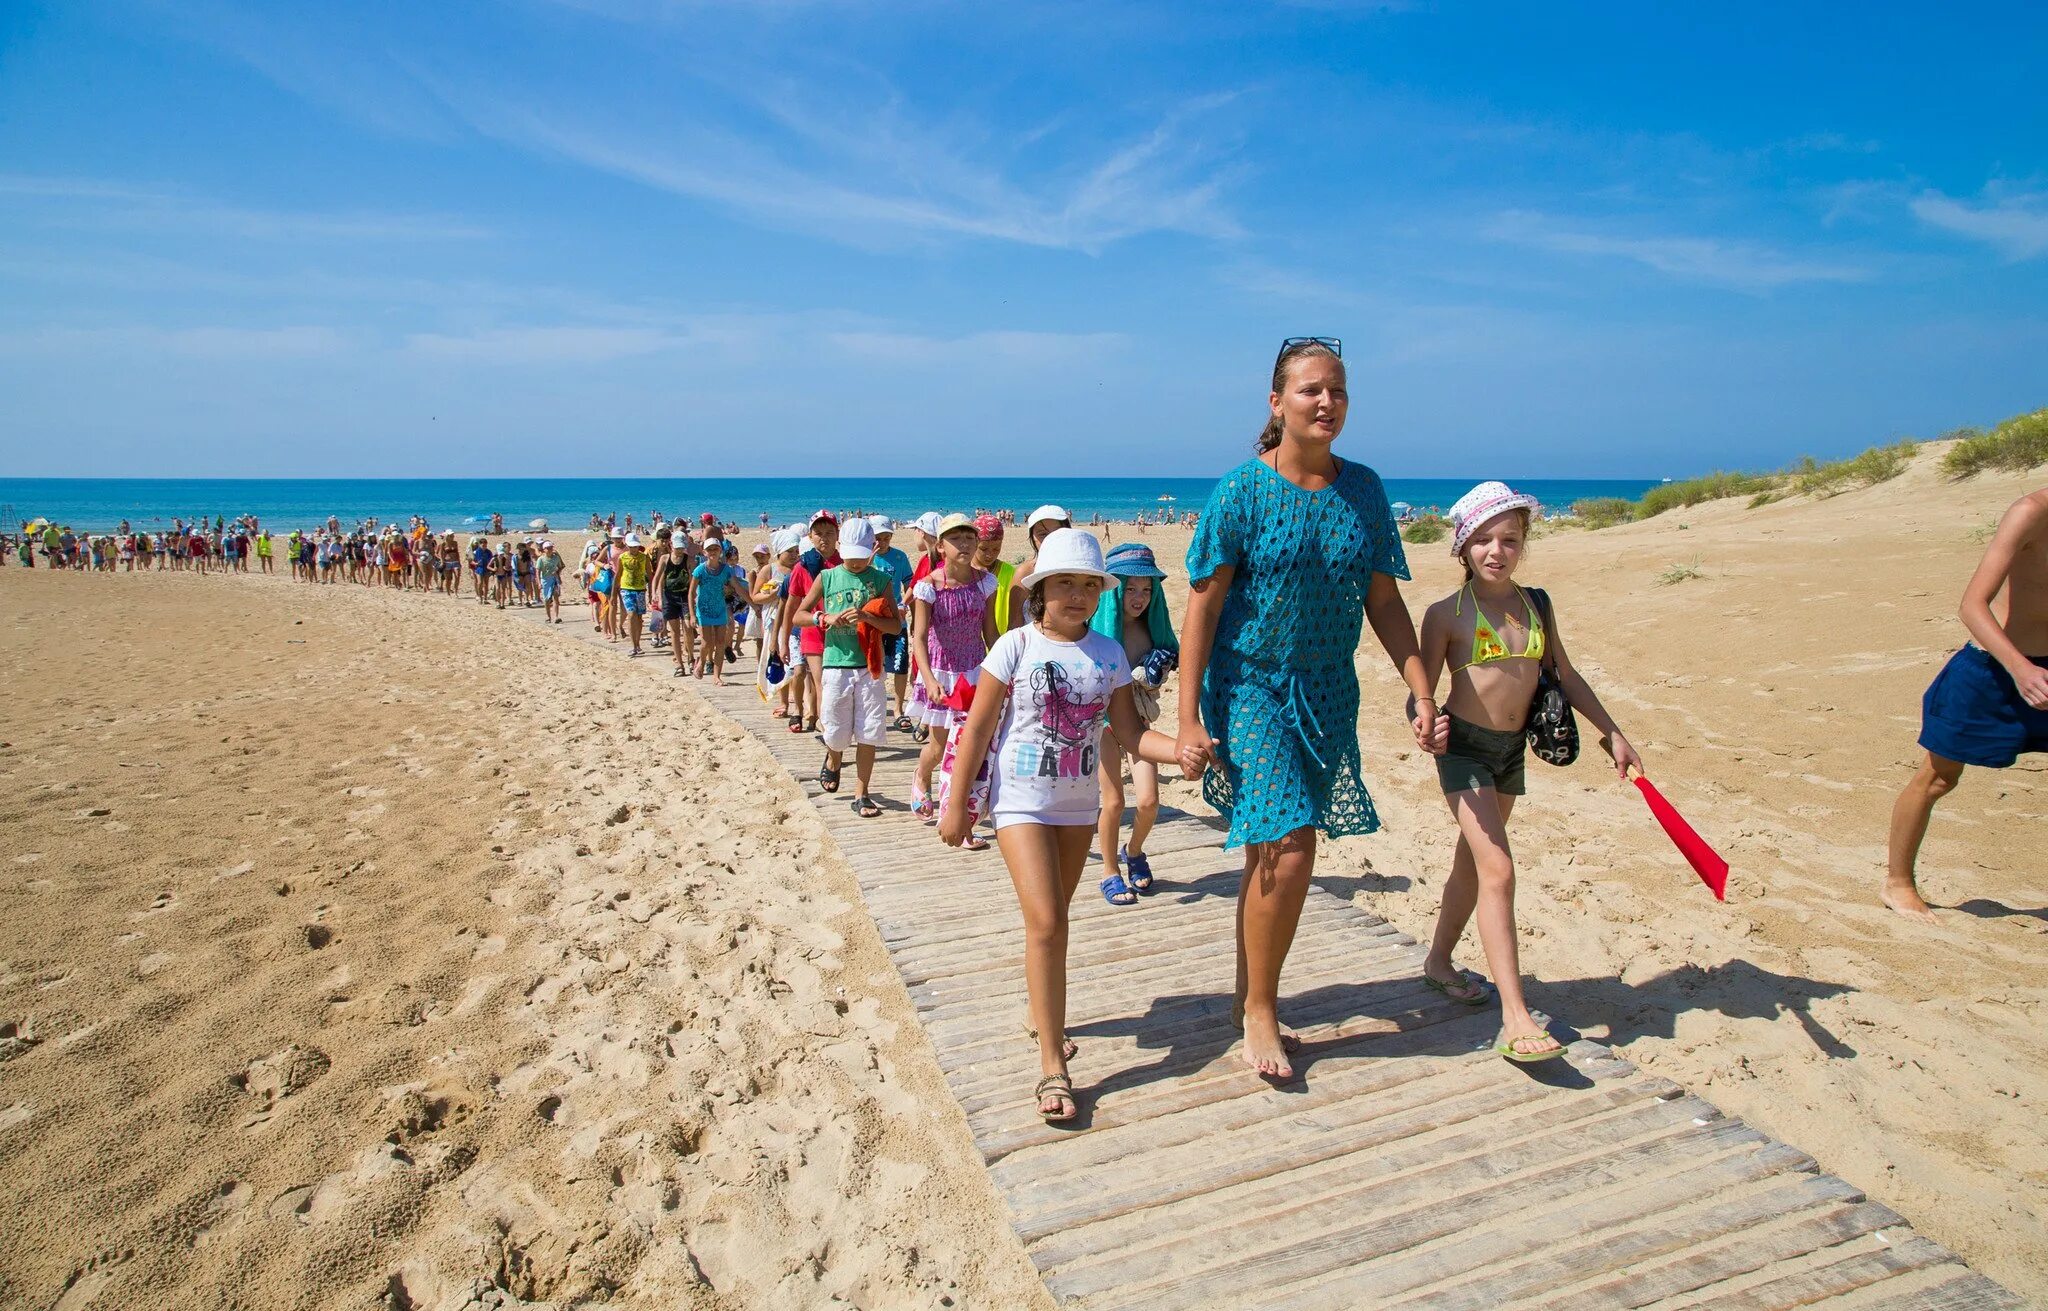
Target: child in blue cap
(1133, 612)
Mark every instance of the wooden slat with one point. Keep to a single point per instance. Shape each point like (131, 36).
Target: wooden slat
(1406, 1166)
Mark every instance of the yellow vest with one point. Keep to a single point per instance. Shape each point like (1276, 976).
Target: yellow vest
(1005, 572)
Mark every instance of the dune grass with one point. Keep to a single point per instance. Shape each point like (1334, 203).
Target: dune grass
(2018, 444)
(1428, 528)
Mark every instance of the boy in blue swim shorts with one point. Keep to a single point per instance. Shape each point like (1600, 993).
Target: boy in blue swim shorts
(1989, 704)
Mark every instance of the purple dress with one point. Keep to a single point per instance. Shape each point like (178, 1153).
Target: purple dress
(953, 644)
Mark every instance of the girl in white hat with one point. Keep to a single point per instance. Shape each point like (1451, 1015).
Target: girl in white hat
(1497, 638)
(1041, 699)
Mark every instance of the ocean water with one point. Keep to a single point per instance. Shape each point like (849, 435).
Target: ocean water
(567, 503)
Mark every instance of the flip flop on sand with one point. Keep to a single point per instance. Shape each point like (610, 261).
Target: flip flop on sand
(1513, 1049)
(1466, 988)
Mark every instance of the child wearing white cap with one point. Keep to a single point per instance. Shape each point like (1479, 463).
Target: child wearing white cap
(1038, 525)
(852, 704)
(1499, 662)
(634, 570)
(1041, 701)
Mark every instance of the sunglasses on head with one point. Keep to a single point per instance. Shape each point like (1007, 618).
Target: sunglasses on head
(1334, 345)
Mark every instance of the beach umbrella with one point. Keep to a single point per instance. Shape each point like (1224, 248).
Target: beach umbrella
(539, 524)
(1166, 498)
(37, 525)
(1705, 861)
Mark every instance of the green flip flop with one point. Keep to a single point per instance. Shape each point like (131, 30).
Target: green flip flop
(1506, 1047)
(1466, 988)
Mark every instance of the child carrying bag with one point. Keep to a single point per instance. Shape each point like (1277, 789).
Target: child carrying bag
(1553, 731)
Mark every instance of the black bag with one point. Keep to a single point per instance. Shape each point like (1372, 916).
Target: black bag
(1553, 732)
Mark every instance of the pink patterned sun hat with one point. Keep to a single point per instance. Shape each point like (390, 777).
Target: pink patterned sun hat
(1485, 502)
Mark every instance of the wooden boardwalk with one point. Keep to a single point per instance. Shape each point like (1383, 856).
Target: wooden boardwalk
(1406, 1166)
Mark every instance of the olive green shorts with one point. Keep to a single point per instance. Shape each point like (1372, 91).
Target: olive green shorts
(1480, 757)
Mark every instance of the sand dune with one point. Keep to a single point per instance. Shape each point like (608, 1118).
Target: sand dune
(364, 949)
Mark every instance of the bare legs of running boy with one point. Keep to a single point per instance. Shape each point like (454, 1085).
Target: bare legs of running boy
(1989, 704)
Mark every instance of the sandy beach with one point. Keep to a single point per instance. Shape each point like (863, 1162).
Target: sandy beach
(372, 949)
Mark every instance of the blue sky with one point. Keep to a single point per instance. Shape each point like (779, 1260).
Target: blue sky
(558, 237)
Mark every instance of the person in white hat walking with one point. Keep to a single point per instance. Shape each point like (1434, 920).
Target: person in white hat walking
(633, 573)
(1041, 701)
(1038, 525)
(848, 598)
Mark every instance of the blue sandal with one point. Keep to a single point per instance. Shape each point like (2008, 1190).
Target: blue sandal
(1140, 872)
(1117, 892)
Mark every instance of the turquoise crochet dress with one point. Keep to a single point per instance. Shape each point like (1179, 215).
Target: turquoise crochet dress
(1280, 690)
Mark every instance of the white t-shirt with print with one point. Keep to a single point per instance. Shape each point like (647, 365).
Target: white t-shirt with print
(1049, 738)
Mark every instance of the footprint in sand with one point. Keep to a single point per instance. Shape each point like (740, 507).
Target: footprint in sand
(278, 1076)
(89, 1280)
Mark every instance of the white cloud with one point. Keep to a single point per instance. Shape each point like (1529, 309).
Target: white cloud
(2016, 225)
(208, 342)
(128, 205)
(866, 177)
(1012, 348)
(1738, 265)
(568, 344)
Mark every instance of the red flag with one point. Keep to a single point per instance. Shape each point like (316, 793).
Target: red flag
(1713, 870)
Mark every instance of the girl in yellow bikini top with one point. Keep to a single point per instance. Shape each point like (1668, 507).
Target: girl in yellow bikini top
(1487, 646)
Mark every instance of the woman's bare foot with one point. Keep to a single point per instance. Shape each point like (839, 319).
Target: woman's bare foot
(1265, 1050)
(1905, 899)
(1290, 1041)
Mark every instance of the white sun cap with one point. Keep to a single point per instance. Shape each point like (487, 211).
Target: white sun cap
(1067, 551)
(1047, 514)
(857, 540)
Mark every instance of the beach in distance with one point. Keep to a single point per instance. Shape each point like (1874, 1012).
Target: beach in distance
(99, 504)
(366, 948)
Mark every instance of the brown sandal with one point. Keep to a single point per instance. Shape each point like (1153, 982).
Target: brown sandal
(1059, 1088)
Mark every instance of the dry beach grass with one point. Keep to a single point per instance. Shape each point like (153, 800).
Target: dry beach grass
(360, 946)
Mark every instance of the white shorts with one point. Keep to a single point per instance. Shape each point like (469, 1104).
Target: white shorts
(854, 708)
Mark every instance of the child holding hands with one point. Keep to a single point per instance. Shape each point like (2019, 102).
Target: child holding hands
(1497, 637)
(1042, 697)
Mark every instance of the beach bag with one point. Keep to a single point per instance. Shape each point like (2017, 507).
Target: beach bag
(602, 584)
(978, 790)
(1553, 731)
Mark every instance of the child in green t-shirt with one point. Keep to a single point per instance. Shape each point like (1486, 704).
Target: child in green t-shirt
(853, 703)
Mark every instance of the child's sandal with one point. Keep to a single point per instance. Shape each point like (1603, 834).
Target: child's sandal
(1057, 1088)
(1138, 872)
(864, 806)
(1117, 892)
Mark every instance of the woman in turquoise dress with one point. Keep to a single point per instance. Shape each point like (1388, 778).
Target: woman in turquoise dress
(1293, 552)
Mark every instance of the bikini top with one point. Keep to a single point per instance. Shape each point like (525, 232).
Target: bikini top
(1487, 646)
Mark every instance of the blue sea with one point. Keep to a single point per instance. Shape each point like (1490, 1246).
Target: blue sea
(567, 503)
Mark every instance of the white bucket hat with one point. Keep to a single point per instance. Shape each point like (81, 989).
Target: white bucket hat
(1067, 551)
(1047, 514)
(1485, 502)
(857, 540)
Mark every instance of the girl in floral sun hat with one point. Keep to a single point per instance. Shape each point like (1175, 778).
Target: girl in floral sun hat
(1498, 639)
